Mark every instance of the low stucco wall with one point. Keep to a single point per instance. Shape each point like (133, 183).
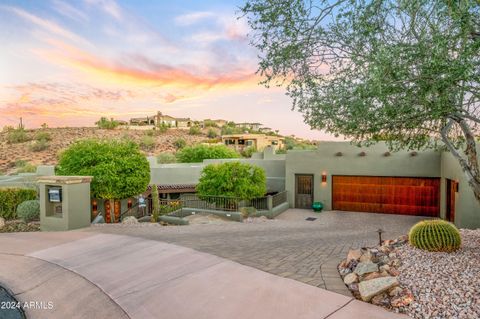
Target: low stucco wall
(374, 163)
(467, 208)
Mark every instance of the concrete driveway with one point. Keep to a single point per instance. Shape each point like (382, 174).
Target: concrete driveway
(289, 246)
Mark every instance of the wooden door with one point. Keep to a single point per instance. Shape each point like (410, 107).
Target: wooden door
(303, 191)
(451, 190)
(387, 195)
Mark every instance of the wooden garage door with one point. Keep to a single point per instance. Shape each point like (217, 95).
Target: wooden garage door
(389, 195)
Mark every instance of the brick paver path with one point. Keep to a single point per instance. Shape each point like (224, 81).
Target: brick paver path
(307, 251)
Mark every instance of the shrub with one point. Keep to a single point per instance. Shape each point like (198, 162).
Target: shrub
(10, 198)
(232, 179)
(248, 151)
(435, 235)
(25, 167)
(209, 123)
(39, 146)
(147, 143)
(29, 210)
(166, 158)
(198, 153)
(107, 124)
(180, 143)
(43, 136)
(150, 132)
(194, 130)
(212, 133)
(18, 135)
(162, 128)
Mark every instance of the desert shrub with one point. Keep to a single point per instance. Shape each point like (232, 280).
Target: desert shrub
(29, 210)
(24, 167)
(162, 128)
(212, 133)
(180, 143)
(248, 151)
(166, 158)
(39, 146)
(194, 130)
(149, 133)
(435, 235)
(43, 136)
(10, 198)
(147, 143)
(198, 153)
(107, 124)
(18, 135)
(209, 123)
(232, 179)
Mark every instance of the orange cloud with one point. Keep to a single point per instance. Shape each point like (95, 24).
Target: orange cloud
(152, 73)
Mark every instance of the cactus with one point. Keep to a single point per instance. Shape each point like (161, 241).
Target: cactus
(435, 235)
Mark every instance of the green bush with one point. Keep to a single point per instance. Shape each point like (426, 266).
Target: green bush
(194, 130)
(25, 167)
(162, 128)
(150, 132)
(39, 145)
(198, 153)
(10, 198)
(147, 143)
(209, 123)
(166, 158)
(212, 133)
(43, 136)
(18, 135)
(107, 124)
(29, 210)
(232, 179)
(435, 235)
(248, 151)
(180, 143)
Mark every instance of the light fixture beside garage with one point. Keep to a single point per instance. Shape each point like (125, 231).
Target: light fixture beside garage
(324, 177)
(362, 154)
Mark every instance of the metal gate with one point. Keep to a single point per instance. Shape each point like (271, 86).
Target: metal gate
(303, 191)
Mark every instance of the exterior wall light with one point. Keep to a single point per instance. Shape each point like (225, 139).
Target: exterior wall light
(362, 154)
(324, 177)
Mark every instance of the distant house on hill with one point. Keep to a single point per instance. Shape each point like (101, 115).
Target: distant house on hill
(265, 130)
(148, 120)
(258, 141)
(251, 126)
(184, 122)
(165, 119)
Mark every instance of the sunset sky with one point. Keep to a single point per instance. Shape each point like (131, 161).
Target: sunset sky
(68, 63)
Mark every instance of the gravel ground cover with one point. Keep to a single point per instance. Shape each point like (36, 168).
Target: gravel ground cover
(445, 285)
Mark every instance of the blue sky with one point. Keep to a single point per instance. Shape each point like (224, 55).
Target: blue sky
(68, 63)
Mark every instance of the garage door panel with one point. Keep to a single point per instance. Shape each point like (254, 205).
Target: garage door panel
(389, 195)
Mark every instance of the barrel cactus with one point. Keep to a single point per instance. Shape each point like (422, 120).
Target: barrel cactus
(435, 235)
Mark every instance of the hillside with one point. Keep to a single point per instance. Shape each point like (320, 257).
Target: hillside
(11, 153)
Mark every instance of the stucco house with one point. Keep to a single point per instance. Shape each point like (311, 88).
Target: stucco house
(251, 126)
(165, 120)
(259, 141)
(183, 122)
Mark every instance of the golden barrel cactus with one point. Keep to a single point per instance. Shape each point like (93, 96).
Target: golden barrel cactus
(435, 235)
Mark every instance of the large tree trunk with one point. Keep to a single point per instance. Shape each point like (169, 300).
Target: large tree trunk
(469, 163)
(112, 211)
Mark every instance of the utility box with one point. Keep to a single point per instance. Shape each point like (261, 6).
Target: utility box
(64, 202)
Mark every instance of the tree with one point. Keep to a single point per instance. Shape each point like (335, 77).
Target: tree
(107, 124)
(232, 179)
(407, 71)
(198, 153)
(118, 168)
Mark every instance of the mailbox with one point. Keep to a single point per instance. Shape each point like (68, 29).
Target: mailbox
(55, 195)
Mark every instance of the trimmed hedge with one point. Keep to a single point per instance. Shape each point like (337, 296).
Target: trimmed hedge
(11, 197)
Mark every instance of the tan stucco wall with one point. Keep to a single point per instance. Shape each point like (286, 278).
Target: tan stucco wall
(467, 208)
(323, 159)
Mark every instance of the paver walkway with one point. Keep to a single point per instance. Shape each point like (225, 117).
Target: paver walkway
(307, 251)
(111, 276)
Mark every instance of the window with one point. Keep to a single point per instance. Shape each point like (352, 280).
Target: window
(249, 143)
(274, 142)
(241, 142)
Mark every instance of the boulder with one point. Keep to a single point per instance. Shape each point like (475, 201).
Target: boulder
(365, 268)
(381, 300)
(130, 220)
(350, 279)
(370, 288)
(394, 272)
(354, 254)
(403, 299)
(395, 291)
(2, 222)
(366, 257)
(374, 275)
(385, 268)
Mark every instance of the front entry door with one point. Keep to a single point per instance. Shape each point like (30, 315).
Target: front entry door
(303, 191)
(451, 189)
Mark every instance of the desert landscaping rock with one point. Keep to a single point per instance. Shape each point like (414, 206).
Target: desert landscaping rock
(130, 220)
(354, 254)
(365, 268)
(2, 222)
(370, 288)
(350, 279)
